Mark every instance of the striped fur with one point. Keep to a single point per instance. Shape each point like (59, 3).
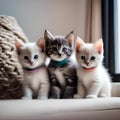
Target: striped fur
(61, 70)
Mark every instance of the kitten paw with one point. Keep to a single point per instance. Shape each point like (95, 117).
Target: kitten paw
(43, 98)
(91, 96)
(76, 96)
(103, 95)
(26, 98)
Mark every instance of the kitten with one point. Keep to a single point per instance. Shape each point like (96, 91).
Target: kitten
(62, 71)
(93, 78)
(32, 57)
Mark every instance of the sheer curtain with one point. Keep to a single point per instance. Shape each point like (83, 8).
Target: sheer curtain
(93, 21)
(103, 20)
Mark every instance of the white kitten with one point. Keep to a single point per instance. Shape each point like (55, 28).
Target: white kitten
(32, 58)
(93, 78)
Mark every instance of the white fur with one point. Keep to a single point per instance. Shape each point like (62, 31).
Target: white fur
(94, 83)
(31, 49)
(57, 57)
(35, 82)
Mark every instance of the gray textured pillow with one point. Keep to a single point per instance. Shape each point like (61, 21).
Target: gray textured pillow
(11, 74)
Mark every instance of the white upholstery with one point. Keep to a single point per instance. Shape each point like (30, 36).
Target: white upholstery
(70, 109)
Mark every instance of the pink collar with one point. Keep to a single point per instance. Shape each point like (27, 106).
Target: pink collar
(89, 69)
(33, 69)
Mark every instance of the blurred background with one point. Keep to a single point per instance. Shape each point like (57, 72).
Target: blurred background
(58, 16)
(90, 19)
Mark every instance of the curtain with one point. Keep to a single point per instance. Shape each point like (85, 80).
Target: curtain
(93, 21)
(100, 23)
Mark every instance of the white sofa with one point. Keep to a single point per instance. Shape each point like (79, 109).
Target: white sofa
(67, 109)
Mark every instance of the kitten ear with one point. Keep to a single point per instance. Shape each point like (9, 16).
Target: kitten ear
(79, 42)
(99, 45)
(18, 45)
(41, 43)
(70, 38)
(48, 35)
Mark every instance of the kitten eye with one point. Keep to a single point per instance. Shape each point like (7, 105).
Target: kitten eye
(64, 49)
(83, 57)
(26, 57)
(92, 58)
(36, 57)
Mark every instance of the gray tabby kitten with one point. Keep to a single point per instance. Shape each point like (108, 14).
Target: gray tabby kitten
(32, 58)
(62, 71)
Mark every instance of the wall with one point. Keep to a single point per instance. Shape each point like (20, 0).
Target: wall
(58, 16)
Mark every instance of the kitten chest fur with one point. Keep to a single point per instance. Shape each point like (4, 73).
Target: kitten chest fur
(35, 79)
(59, 75)
(99, 75)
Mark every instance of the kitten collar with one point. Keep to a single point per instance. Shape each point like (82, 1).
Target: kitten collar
(56, 64)
(89, 69)
(33, 69)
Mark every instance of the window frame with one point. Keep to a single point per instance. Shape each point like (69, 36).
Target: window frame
(108, 34)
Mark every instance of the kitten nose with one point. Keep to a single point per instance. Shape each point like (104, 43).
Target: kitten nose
(87, 63)
(31, 62)
(59, 54)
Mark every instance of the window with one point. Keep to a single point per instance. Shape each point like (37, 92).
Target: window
(117, 35)
(111, 36)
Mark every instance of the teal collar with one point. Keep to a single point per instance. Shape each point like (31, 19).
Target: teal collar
(59, 63)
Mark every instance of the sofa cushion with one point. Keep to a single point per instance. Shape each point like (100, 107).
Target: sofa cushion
(69, 109)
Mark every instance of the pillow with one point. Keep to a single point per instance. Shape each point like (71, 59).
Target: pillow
(11, 74)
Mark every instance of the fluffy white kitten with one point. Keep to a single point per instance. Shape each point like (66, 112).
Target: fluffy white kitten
(93, 78)
(32, 58)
